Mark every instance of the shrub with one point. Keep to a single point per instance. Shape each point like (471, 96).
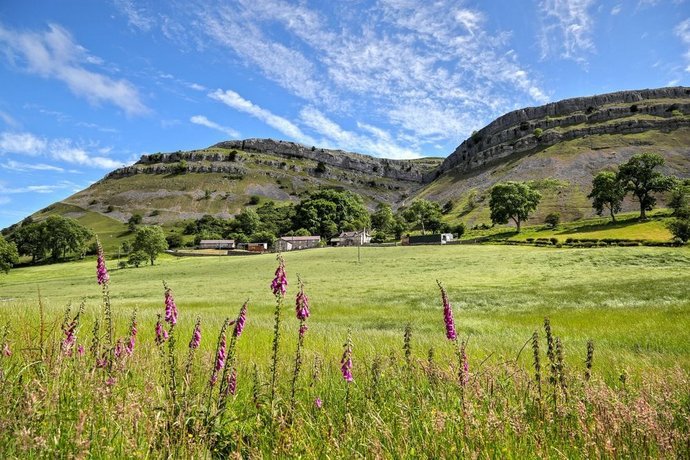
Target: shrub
(174, 240)
(254, 200)
(538, 132)
(379, 237)
(320, 168)
(680, 229)
(137, 258)
(553, 219)
(554, 241)
(677, 113)
(110, 208)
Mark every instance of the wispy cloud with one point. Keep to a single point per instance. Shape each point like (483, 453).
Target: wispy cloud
(23, 167)
(283, 125)
(378, 143)
(682, 31)
(58, 149)
(8, 120)
(616, 9)
(136, 15)
(437, 55)
(203, 121)
(55, 54)
(567, 28)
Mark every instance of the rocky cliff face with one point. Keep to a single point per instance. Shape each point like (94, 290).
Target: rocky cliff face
(624, 112)
(382, 167)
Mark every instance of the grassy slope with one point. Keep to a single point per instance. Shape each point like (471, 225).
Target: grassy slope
(627, 226)
(632, 302)
(562, 173)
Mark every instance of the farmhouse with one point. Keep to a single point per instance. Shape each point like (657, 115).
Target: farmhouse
(352, 239)
(437, 238)
(293, 243)
(217, 244)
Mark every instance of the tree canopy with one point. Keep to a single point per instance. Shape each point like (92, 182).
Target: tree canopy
(425, 213)
(150, 240)
(8, 255)
(56, 235)
(326, 212)
(512, 201)
(639, 177)
(607, 193)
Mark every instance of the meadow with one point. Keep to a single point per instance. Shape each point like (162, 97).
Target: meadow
(411, 395)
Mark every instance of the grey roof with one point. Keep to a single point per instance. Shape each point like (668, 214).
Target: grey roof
(216, 241)
(300, 238)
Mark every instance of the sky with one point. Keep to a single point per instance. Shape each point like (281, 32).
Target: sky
(88, 86)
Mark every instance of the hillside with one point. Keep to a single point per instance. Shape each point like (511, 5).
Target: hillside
(559, 146)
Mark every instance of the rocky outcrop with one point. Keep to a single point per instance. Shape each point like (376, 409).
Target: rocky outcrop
(624, 112)
(393, 169)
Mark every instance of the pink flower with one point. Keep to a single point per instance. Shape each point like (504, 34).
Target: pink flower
(170, 307)
(447, 314)
(232, 382)
(101, 271)
(111, 381)
(70, 338)
(280, 282)
(196, 335)
(318, 403)
(303, 330)
(302, 303)
(102, 362)
(6, 349)
(161, 334)
(80, 350)
(129, 346)
(241, 321)
(220, 360)
(119, 349)
(346, 361)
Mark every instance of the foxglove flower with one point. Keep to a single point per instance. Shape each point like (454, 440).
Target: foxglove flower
(80, 350)
(119, 349)
(280, 282)
(101, 271)
(346, 362)
(220, 360)
(170, 307)
(303, 330)
(70, 338)
(447, 314)
(196, 336)
(241, 321)
(161, 334)
(302, 303)
(232, 382)
(318, 403)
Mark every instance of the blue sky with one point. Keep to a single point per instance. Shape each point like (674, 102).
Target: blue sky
(89, 85)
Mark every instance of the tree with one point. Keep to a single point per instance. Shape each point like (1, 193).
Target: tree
(325, 212)
(276, 219)
(607, 193)
(31, 241)
(680, 229)
(134, 221)
(553, 219)
(174, 240)
(680, 200)
(512, 201)
(382, 219)
(137, 258)
(399, 226)
(263, 237)
(639, 178)
(64, 235)
(425, 213)
(150, 240)
(8, 255)
(248, 221)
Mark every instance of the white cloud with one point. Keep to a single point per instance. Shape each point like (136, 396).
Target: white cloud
(285, 126)
(682, 31)
(23, 143)
(567, 28)
(54, 54)
(381, 145)
(616, 9)
(50, 188)
(23, 167)
(58, 149)
(8, 120)
(203, 121)
(136, 17)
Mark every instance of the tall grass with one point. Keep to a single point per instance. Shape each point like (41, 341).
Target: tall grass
(57, 401)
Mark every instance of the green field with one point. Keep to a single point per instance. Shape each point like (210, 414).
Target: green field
(633, 303)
